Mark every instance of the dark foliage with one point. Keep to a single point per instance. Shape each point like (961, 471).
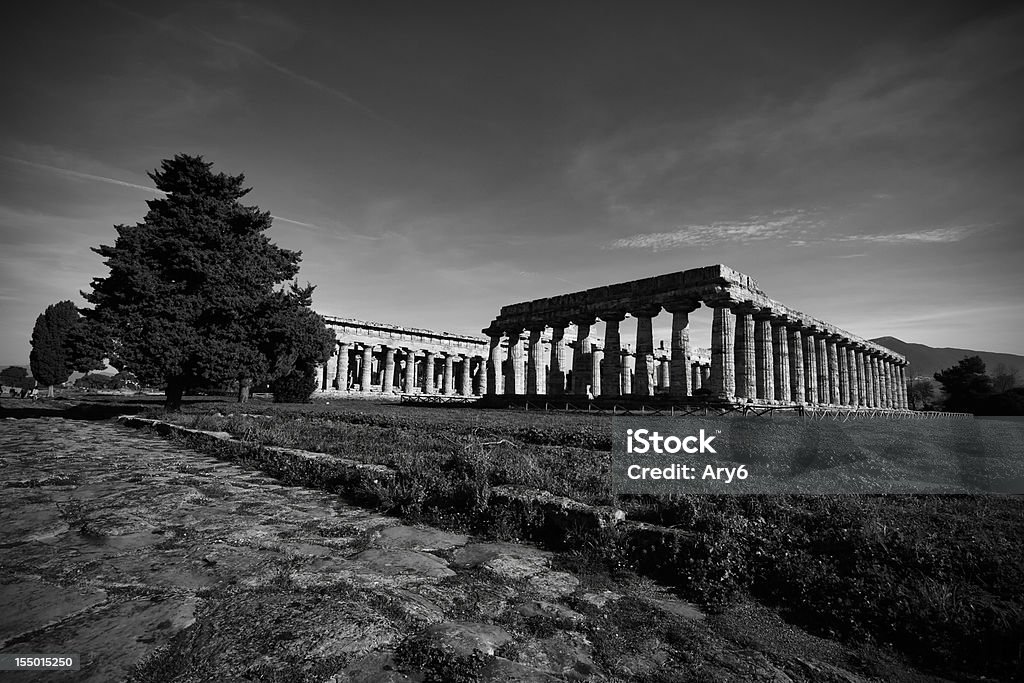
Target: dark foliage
(16, 376)
(295, 387)
(965, 384)
(193, 298)
(50, 359)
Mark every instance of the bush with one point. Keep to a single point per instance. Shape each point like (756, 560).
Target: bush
(295, 387)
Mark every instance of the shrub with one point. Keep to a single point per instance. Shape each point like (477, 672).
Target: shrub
(295, 387)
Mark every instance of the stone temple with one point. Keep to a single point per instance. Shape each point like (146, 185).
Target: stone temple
(762, 351)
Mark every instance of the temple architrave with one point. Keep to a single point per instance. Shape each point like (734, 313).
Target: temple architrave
(761, 350)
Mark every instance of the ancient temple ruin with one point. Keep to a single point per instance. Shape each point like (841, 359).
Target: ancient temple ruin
(761, 350)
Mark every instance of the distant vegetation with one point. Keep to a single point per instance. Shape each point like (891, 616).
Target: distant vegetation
(969, 388)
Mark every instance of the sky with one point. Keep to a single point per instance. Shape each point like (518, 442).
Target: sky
(434, 161)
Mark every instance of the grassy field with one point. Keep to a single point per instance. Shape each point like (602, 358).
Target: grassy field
(939, 578)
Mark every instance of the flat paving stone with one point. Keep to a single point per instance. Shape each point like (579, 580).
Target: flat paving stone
(417, 538)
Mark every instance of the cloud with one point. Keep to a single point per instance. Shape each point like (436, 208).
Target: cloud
(83, 176)
(933, 236)
(780, 225)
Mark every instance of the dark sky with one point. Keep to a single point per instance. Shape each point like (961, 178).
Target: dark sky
(437, 160)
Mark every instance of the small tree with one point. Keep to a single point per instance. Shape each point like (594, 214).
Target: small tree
(193, 299)
(965, 384)
(920, 394)
(50, 358)
(1004, 379)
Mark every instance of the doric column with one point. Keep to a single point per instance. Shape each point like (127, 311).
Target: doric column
(557, 369)
(535, 381)
(797, 386)
(872, 364)
(823, 378)
(596, 358)
(428, 373)
(862, 377)
(764, 356)
(409, 376)
(366, 368)
(387, 380)
(480, 376)
(746, 365)
(628, 366)
(695, 379)
(833, 370)
(844, 372)
(811, 367)
(780, 361)
(645, 363)
(581, 356)
(331, 370)
(341, 377)
(854, 380)
(705, 375)
(890, 385)
(611, 376)
(466, 385)
(903, 385)
(495, 384)
(664, 373)
(679, 382)
(723, 360)
(515, 381)
(448, 378)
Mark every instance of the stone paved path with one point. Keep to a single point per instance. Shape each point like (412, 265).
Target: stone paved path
(157, 563)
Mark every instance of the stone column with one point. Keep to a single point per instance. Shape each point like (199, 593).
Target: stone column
(844, 373)
(557, 369)
(904, 403)
(366, 368)
(611, 376)
(515, 382)
(428, 373)
(853, 382)
(409, 373)
(764, 357)
(872, 365)
(596, 358)
(581, 357)
(695, 378)
(679, 347)
(535, 380)
(645, 363)
(780, 361)
(466, 385)
(480, 376)
(387, 380)
(705, 375)
(628, 365)
(862, 379)
(797, 387)
(341, 377)
(746, 365)
(890, 385)
(723, 361)
(494, 377)
(833, 370)
(330, 375)
(665, 373)
(448, 378)
(822, 357)
(811, 367)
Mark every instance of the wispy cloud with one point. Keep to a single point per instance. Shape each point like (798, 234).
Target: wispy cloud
(781, 225)
(933, 236)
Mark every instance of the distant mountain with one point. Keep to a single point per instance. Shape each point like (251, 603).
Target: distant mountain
(925, 361)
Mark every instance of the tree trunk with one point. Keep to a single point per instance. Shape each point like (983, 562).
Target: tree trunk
(173, 393)
(244, 385)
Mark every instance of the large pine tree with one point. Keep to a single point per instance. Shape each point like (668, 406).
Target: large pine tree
(50, 358)
(194, 297)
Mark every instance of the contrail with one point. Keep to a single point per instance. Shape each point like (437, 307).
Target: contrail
(79, 174)
(123, 183)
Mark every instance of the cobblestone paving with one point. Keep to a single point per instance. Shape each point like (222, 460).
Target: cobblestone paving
(156, 563)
